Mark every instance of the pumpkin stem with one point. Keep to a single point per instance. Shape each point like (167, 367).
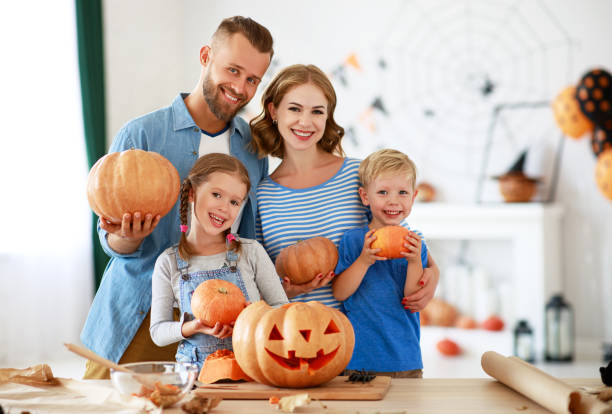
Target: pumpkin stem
(222, 290)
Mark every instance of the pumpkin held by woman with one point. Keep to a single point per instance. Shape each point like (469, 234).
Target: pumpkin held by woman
(217, 300)
(132, 181)
(390, 240)
(221, 365)
(301, 344)
(302, 261)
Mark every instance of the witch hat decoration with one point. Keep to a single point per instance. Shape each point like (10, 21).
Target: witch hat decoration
(514, 185)
(519, 164)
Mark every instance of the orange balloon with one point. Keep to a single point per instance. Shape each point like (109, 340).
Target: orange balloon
(603, 173)
(568, 115)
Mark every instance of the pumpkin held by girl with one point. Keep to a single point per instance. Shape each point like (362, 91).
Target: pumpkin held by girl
(132, 181)
(301, 344)
(217, 300)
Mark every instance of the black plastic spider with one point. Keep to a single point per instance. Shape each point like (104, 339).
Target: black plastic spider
(361, 376)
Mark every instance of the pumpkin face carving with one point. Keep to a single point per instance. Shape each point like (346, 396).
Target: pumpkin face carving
(302, 344)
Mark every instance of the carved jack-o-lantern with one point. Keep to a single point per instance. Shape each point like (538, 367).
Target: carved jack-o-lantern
(301, 344)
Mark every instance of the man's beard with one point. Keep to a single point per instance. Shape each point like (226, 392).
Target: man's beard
(219, 108)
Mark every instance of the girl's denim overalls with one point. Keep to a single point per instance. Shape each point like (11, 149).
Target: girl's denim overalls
(197, 347)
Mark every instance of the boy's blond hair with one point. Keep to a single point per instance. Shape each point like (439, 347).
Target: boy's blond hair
(386, 162)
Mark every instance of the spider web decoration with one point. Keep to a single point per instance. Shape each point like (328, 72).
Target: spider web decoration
(431, 82)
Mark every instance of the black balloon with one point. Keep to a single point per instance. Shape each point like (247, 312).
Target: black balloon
(602, 138)
(594, 95)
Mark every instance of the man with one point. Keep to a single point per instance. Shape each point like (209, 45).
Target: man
(201, 122)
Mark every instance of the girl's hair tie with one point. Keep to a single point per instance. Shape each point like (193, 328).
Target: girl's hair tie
(230, 237)
(184, 228)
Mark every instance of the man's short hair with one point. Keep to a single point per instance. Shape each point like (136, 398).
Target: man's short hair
(257, 35)
(386, 162)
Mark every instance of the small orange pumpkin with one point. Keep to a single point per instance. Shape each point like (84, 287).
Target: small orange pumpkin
(439, 313)
(302, 261)
(390, 240)
(466, 322)
(221, 365)
(131, 181)
(301, 344)
(217, 300)
(493, 323)
(448, 347)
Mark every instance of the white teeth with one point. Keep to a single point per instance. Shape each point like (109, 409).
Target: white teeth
(392, 212)
(302, 134)
(231, 98)
(216, 218)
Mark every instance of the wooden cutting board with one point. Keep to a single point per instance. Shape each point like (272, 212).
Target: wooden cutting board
(336, 389)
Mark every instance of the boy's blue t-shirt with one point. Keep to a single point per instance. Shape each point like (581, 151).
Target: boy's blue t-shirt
(386, 335)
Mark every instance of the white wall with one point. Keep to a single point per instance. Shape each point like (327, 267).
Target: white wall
(436, 54)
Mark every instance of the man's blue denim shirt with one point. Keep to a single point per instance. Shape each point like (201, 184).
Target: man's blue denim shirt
(124, 296)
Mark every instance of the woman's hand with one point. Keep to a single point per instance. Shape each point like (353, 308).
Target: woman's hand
(197, 326)
(417, 301)
(292, 290)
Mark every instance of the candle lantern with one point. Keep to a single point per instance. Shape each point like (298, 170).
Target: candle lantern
(559, 330)
(523, 341)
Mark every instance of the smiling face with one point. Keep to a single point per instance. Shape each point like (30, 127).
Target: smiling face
(233, 70)
(390, 198)
(301, 116)
(216, 203)
(301, 344)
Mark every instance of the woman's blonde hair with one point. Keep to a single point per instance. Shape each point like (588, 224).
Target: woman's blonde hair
(383, 162)
(199, 174)
(266, 138)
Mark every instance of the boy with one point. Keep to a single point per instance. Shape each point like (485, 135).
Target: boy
(373, 287)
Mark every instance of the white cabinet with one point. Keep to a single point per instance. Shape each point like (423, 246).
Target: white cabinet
(534, 229)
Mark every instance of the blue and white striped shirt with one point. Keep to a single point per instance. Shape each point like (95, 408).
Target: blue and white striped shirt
(288, 215)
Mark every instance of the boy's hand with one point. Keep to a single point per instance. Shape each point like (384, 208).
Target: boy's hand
(292, 290)
(196, 326)
(133, 229)
(368, 255)
(412, 242)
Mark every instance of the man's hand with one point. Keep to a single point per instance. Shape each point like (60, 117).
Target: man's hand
(126, 237)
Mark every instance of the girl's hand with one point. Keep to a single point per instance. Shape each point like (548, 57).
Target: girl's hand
(413, 245)
(417, 301)
(292, 290)
(194, 326)
(133, 229)
(368, 255)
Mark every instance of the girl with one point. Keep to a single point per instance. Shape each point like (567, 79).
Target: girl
(314, 190)
(211, 197)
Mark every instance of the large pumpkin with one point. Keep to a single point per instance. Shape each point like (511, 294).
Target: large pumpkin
(217, 300)
(301, 344)
(131, 181)
(302, 261)
(440, 313)
(390, 240)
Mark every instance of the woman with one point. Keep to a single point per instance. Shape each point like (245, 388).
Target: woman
(314, 190)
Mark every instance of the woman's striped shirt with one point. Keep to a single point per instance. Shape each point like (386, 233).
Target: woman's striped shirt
(288, 215)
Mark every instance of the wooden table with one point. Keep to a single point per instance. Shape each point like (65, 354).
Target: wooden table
(414, 396)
